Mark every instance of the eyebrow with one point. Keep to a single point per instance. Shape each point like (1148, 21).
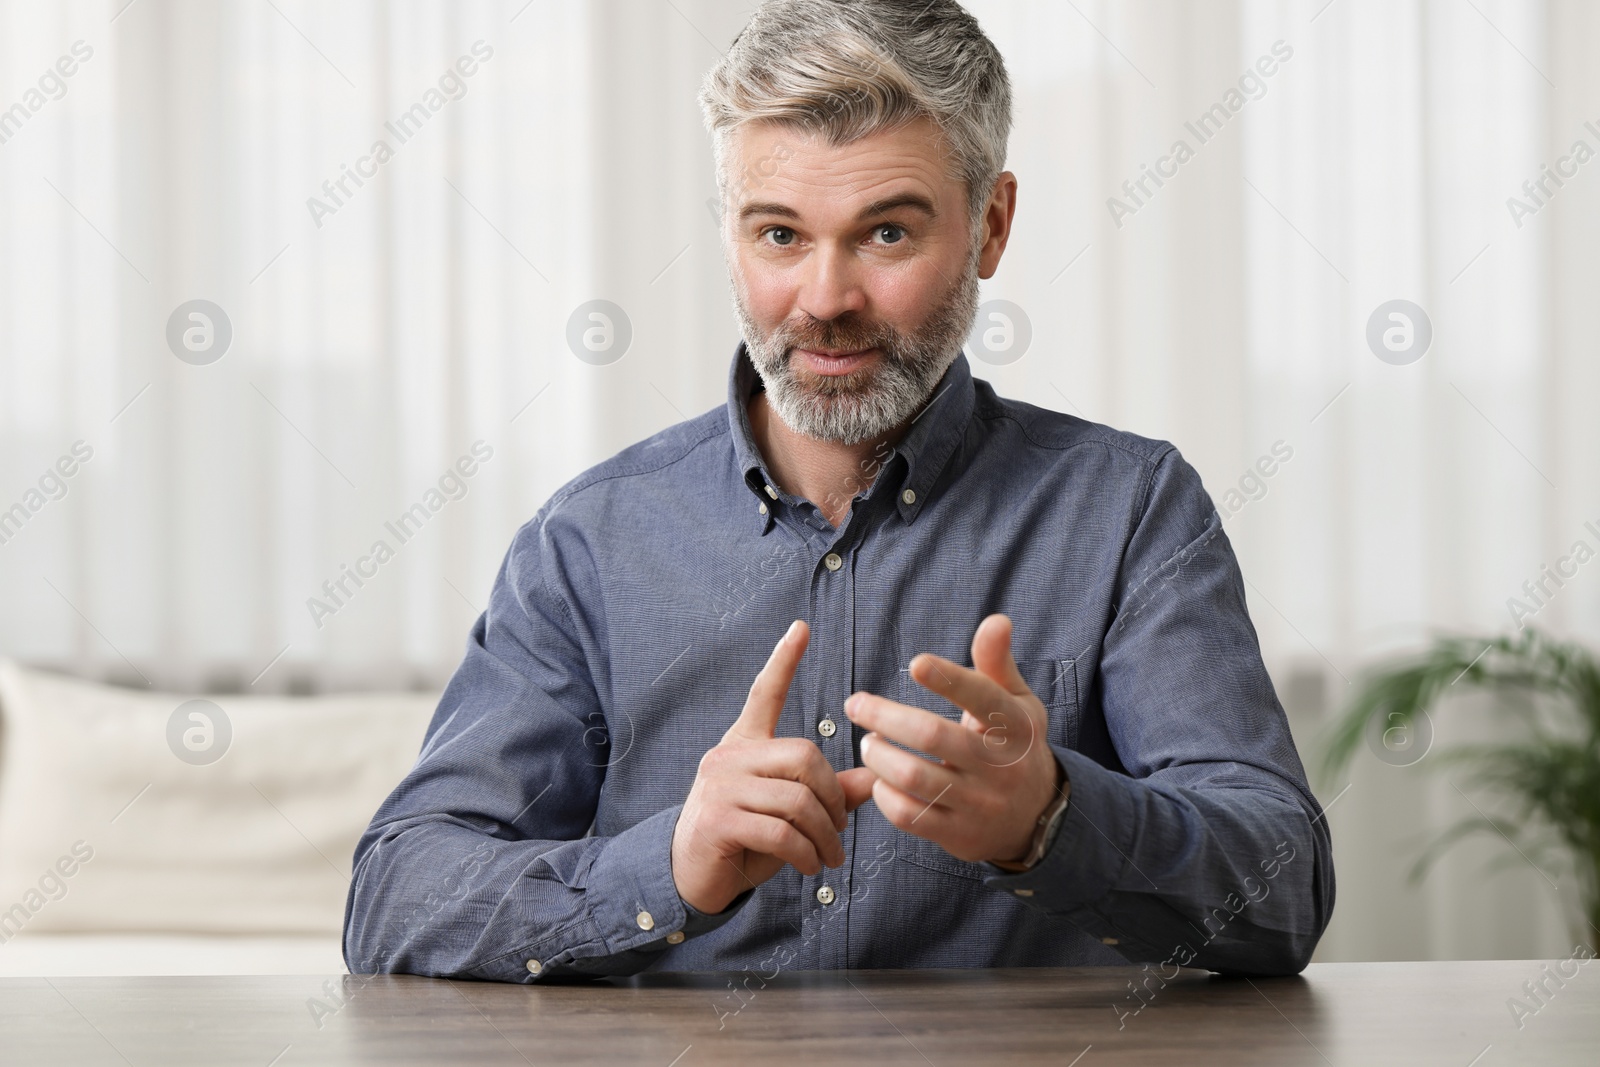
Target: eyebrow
(914, 201)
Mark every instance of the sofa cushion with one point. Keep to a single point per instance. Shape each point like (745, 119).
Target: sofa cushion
(133, 811)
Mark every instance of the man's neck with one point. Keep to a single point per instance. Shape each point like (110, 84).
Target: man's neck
(827, 473)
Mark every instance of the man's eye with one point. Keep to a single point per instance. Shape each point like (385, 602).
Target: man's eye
(890, 234)
(781, 235)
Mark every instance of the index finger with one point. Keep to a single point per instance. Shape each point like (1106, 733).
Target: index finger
(985, 699)
(994, 710)
(759, 718)
(913, 727)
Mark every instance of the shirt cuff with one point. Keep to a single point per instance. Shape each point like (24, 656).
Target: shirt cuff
(635, 900)
(698, 922)
(1089, 853)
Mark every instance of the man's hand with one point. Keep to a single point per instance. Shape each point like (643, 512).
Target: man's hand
(996, 773)
(760, 801)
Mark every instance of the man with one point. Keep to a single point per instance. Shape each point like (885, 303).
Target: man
(1112, 779)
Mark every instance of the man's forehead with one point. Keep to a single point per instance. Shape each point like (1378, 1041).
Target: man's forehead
(772, 161)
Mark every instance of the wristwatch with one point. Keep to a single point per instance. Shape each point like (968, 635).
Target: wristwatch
(1045, 829)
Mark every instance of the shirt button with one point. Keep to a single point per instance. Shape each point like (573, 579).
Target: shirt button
(826, 727)
(534, 966)
(825, 894)
(909, 496)
(773, 493)
(675, 938)
(645, 920)
(761, 508)
(832, 561)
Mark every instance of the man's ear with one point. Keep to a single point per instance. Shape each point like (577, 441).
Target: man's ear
(997, 218)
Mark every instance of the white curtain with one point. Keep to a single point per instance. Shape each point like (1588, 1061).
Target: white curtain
(378, 337)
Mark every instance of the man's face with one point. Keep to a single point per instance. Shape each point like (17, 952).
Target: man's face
(855, 273)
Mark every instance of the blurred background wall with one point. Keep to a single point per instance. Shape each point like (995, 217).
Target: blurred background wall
(376, 333)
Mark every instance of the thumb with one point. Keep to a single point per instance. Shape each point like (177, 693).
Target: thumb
(991, 654)
(759, 719)
(857, 785)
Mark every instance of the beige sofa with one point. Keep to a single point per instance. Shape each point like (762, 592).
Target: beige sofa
(152, 833)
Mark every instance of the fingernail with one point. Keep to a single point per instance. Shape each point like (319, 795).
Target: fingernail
(788, 635)
(864, 740)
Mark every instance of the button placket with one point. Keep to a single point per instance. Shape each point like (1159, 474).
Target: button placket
(833, 637)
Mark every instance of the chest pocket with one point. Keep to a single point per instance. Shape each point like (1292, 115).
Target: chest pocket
(1055, 683)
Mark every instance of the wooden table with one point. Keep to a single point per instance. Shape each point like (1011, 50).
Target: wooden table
(1453, 1014)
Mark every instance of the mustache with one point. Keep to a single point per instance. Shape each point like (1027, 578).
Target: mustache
(843, 334)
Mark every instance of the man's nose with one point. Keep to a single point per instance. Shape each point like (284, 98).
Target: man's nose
(831, 284)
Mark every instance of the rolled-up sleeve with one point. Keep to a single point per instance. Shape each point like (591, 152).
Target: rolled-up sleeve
(478, 864)
(1211, 851)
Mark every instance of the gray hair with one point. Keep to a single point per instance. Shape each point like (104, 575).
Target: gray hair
(850, 68)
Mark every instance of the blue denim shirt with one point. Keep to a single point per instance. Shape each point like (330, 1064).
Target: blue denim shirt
(532, 839)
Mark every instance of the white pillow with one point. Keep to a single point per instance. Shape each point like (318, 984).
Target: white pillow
(106, 825)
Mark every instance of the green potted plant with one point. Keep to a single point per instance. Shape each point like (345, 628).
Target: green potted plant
(1549, 777)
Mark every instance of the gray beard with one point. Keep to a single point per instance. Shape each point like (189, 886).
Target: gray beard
(870, 401)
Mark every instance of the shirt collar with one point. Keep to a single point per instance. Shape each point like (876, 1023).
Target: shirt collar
(926, 447)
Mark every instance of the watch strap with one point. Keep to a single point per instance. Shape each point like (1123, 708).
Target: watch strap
(1045, 828)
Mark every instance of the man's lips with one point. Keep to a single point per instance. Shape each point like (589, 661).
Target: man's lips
(832, 365)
